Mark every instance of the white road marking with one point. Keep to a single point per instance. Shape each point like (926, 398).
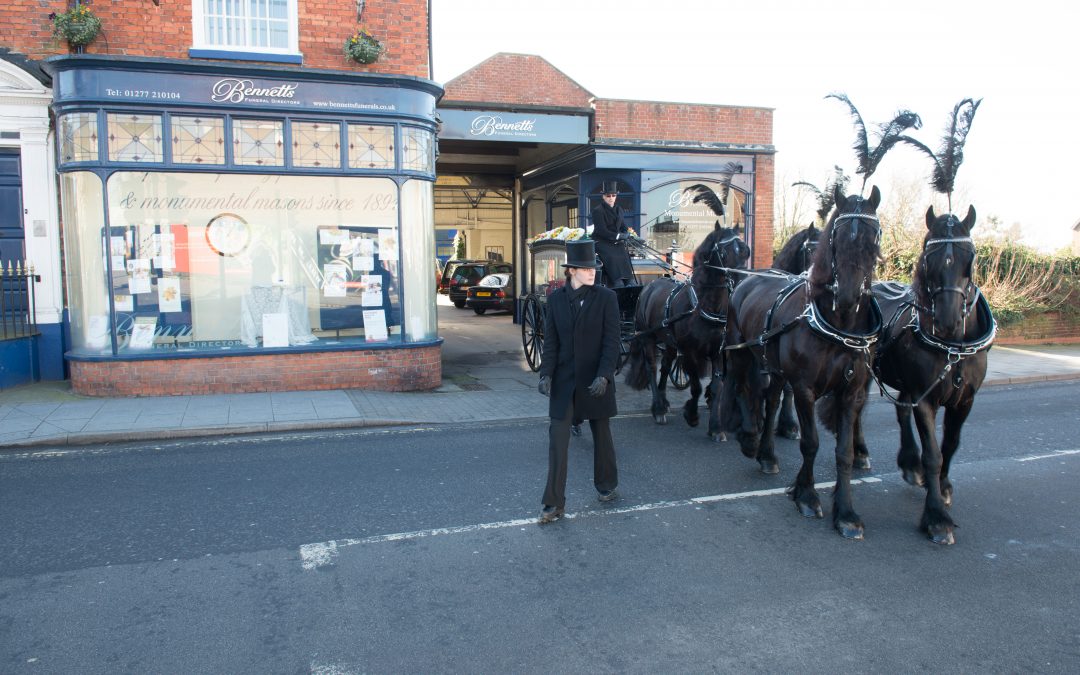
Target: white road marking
(314, 556)
(1059, 453)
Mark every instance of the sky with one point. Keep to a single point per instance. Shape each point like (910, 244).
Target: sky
(788, 55)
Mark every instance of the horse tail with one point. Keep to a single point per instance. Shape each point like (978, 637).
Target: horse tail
(637, 371)
(829, 410)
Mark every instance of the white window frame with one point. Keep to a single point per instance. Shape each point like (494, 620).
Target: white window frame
(199, 40)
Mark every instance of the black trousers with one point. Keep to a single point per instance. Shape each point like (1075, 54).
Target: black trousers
(605, 470)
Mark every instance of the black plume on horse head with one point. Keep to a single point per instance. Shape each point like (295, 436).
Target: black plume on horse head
(887, 136)
(826, 197)
(950, 156)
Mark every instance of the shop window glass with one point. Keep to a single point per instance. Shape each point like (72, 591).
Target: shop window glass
(78, 137)
(134, 138)
(206, 262)
(671, 217)
(198, 140)
(417, 150)
(316, 144)
(258, 143)
(371, 146)
(417, 253)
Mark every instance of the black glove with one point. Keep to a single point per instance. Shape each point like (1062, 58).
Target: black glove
(598, 387)
(545, 385)
(620, 236)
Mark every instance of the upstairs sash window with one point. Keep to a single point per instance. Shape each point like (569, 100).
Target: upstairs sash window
(268, 26)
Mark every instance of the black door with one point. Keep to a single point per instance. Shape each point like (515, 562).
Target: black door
(11, 229)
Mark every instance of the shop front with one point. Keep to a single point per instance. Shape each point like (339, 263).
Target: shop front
(231, 229)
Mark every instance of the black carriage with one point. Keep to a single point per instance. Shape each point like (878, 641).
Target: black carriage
(544, 275)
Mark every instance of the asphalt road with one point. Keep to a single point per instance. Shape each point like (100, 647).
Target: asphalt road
(414, 550)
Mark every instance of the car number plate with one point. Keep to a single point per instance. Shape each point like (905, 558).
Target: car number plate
(483, 294)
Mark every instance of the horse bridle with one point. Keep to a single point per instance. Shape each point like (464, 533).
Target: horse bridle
(968, 305)
(855, 217)
(718, 250)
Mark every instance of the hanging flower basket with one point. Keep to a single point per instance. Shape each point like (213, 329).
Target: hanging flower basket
(363, 47)
(78, 26)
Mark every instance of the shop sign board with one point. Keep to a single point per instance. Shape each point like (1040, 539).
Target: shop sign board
(486, 125)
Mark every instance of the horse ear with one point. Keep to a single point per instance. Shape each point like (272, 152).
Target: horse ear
(969, 219)
(875, 198)
(717, 226)
(838, 195)
(930, 217)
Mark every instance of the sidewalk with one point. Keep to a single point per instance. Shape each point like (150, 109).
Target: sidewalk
(484, 378)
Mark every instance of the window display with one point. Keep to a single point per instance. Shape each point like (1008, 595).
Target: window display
(203, 261)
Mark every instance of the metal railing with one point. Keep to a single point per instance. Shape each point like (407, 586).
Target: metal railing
(17, 311)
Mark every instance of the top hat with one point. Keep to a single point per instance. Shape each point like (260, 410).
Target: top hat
(581, 253)
(609, 188)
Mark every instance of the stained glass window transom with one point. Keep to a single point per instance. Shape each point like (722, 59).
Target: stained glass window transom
(316, 144)
(79, 137)
(198, 140)
(134, 138)
(371, 146)
(258, 143)
(417, 149)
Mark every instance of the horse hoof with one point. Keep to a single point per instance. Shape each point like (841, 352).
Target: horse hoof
(660, 419)
(942, 535)
(861, 462)
(850, 530)
(809, 510)
(718, 438)
(914, 478)
(692, 421)
(789, 432)
(769, 467)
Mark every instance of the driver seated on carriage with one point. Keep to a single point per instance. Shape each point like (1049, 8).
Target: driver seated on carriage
(611, 234)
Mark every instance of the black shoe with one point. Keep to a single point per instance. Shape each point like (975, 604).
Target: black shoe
(607, 495)
(575, 429)
(550, 514)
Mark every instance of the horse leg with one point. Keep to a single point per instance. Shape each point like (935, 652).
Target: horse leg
(667, 360)
(802, 490)
(766, 456)
(846, 521)
(953, 422)
(716, 384)
(861, 460)
(787, 425)
(692, 368)
(935, 521)
(659, 413)
(907, 457)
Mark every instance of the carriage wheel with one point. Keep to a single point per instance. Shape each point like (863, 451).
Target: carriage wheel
(678, 376)
(532, 332)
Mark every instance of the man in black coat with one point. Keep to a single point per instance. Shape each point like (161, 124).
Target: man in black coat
(581, 346)
(611, 232)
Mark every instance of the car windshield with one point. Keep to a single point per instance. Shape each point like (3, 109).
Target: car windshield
(468, 274)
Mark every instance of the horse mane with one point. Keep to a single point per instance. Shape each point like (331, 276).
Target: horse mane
(788, 258)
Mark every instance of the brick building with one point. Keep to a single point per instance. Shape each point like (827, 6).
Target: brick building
(241, 208)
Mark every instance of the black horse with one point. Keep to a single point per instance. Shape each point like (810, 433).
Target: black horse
(676, 318)
(817, 334)
(794, 257)
(933, 352)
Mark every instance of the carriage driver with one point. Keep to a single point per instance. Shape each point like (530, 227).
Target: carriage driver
(581, 345)
(610, 232)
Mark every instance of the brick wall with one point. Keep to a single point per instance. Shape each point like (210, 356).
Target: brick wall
(764, 229)
(1049, 328)
(164, 30)
(521, 79)
(382, 370)
(693, 123)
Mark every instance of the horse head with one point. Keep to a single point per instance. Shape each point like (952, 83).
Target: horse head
(796, 255)
(845, 267)
(720, 252)
(943, 279)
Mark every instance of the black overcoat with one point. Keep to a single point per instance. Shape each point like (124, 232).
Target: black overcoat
(576, 353)
(608, 224)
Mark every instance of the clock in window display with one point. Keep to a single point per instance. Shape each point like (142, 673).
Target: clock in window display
(228, 235)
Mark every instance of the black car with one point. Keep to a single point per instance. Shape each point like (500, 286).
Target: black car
(495, 292)
(468, 274)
